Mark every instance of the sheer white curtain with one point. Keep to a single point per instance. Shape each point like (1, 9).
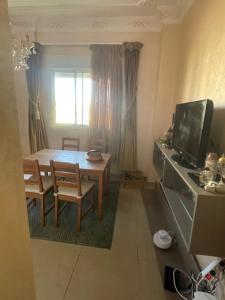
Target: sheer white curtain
(37, 131)
(106, 100)
(113, 110)
(128, 150)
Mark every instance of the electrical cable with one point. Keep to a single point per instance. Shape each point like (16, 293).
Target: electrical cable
(175, 285)
(210, 286)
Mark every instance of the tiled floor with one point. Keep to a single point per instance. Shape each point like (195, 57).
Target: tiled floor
(127, 271)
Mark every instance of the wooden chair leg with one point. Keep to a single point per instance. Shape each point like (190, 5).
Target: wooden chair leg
(42, 212)
(56, 211)
(30, 202)
(78, 217)
(92, 201)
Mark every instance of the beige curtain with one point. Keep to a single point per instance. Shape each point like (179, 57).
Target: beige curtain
(37, 131)
(105, 109)
(128, 156)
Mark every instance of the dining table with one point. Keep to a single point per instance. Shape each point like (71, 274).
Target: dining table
(99, 169)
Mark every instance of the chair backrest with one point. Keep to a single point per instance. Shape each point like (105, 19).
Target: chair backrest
(97, 144)
(66, 175)
(32, 174)
(70, 143)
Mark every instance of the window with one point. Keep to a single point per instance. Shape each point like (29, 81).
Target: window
(72, 97)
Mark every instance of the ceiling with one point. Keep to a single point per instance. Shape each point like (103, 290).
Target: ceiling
(95, 15)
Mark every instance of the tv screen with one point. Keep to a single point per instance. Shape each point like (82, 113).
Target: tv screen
(191, 130)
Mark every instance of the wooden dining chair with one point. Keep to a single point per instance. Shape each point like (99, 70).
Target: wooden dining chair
(37, 186)
(69, 187)
(70, 143)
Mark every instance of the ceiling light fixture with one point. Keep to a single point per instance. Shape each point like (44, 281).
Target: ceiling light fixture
(22, 49)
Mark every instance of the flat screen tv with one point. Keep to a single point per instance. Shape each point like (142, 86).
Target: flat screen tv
(192, 125)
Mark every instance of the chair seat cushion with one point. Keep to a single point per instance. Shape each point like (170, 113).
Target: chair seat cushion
(47, 182)
(86, 186)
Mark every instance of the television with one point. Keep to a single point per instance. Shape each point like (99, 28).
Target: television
(192, 123)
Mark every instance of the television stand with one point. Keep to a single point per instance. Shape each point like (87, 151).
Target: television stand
(198, 214)
(182, 162)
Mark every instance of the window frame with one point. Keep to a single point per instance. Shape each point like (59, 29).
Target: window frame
(53, 103)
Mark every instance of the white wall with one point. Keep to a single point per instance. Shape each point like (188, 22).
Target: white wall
(164, 106)
(22, 107)
(16, 274)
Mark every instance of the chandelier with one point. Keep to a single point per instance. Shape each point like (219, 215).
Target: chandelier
(22, 49)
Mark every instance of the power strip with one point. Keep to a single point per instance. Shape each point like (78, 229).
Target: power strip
(210, 267)
(203, 296)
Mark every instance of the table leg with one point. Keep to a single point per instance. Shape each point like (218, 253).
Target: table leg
(100, 195)
(107, 178)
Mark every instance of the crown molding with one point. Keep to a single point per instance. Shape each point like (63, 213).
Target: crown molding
(115, 24)
(172, 11)
(67, 19)
(75, 3)
(187, 5)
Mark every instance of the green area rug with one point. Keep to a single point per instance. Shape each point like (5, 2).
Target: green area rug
(94, 232)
